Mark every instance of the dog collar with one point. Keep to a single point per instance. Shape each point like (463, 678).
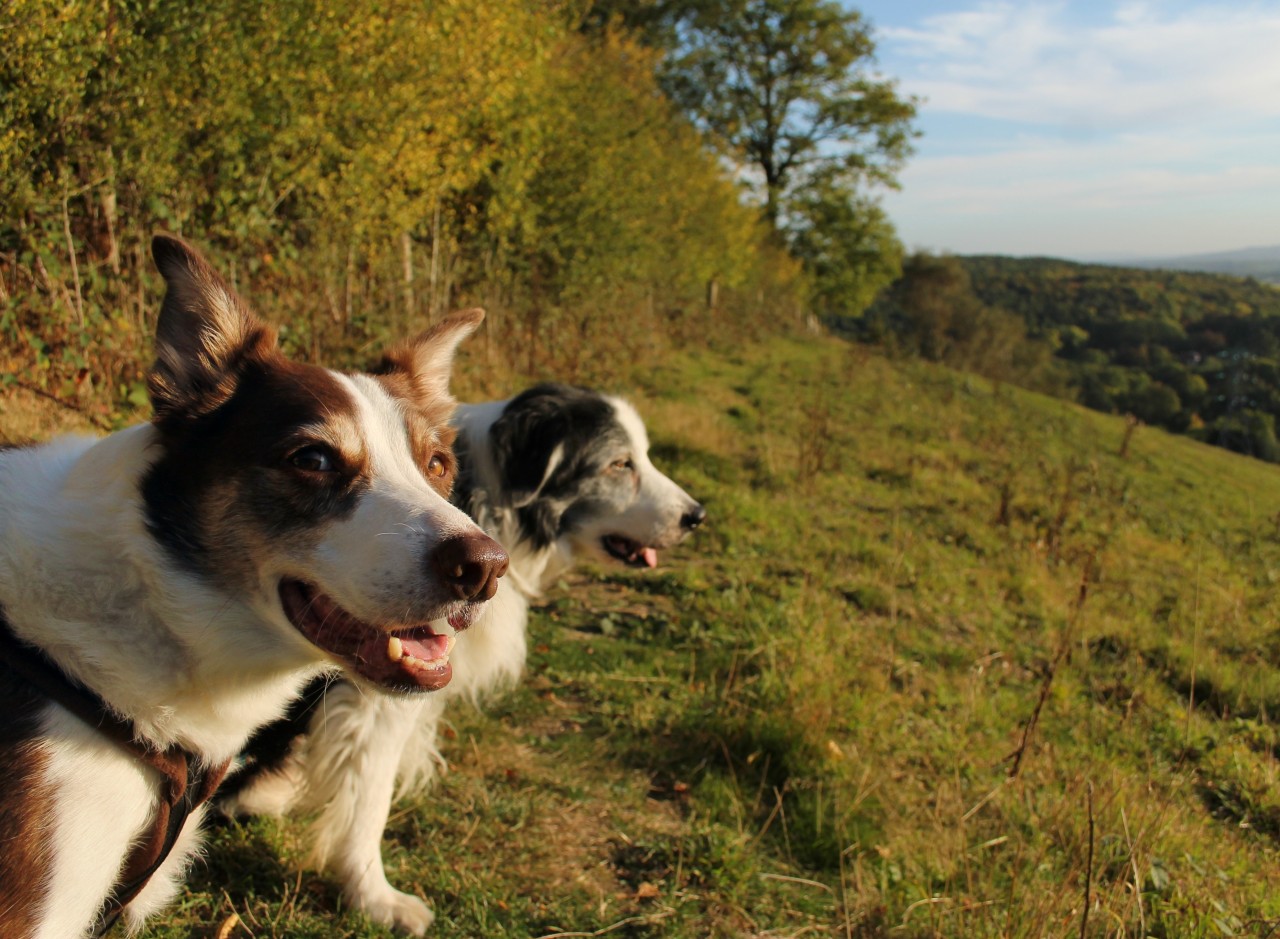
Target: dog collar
(187, 781)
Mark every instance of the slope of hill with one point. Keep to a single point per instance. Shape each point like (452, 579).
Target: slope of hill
(941, 663)
(1049, 292)
(1260, 262)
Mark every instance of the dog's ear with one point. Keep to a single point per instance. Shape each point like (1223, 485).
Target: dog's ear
(427, 361)
(203, 336)
(528, 442)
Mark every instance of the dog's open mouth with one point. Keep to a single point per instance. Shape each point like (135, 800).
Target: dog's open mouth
(629, 552)
(413, 658)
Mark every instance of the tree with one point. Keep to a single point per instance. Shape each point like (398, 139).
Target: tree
(926, 299)
(1155, 403)
(847, 245)
(1248, 431)
(785, 84)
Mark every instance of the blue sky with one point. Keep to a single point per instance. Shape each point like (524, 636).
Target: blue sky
(1095, 130)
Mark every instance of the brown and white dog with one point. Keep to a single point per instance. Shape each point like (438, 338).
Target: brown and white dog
(555, 474)
(192, 574)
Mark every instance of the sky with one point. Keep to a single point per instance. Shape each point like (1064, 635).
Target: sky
(1090, 130)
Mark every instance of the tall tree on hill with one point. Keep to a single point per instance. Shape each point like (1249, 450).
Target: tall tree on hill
(847, 245)
(788, 86)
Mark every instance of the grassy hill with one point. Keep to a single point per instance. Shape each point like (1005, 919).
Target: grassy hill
(942, 663)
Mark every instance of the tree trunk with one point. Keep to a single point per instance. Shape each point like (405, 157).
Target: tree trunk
(406, 268)
(107, 205)
(433, 309)
(350, 288)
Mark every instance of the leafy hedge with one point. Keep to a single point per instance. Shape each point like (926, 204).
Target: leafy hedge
(358, 170)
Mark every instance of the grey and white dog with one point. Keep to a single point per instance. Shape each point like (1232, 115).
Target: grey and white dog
(555, 474)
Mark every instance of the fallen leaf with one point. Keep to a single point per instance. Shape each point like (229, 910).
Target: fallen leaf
(647, 891)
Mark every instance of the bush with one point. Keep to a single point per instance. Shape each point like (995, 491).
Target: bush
(1249, 432)
(356, 176)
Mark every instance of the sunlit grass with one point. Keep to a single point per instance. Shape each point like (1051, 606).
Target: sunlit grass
(804, 723)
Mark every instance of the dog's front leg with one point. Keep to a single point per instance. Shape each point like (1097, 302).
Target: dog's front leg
(357, 744)
(167, 880)
(357, 862)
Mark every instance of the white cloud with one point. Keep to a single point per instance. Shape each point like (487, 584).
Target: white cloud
(1147, 128)
(1032, 62)
(1139, 193)
(1128, 168)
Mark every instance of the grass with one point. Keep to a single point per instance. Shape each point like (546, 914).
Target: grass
(806, 722)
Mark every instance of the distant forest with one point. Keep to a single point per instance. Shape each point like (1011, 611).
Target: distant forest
(1193, 353)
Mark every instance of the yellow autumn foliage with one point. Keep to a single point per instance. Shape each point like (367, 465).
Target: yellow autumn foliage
(360, 168)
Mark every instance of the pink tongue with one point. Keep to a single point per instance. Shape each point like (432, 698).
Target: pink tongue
(650, 557)
(426, 649)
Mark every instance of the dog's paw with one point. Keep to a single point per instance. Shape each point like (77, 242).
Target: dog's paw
(401, 911)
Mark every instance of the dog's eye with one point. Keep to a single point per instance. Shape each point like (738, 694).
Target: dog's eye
(622, 466)
(436, 467)
(314, 459)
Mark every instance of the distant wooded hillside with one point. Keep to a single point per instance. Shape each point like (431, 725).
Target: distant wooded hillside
(1194, 353)
(1050, 293)
(1262, 263)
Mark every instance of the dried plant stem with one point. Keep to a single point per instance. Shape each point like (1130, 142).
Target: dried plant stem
(75, 266)
(1195, 656)
(1064, 645)
(1088, 870)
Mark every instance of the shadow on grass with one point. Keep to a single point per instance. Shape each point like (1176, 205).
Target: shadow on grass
(1229, 802)
(722, 469)
(762, 773)
(243, 860)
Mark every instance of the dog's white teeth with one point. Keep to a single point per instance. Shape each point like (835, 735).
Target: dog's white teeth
(449, 643)
(395, 649)
(433, 665)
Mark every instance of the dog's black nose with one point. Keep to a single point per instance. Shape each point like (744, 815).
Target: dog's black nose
(470, 565)
(694, 517)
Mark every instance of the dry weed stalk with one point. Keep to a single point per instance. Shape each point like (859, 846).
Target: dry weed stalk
(1064, 645)
(1088, 870)
(1066, 501)
(1003, 514)
(815, 454)
(1131, 424)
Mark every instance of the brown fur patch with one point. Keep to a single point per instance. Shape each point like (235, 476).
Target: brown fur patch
(417, 371)
(395, 372)
(205, 336)
(429, 433)
(26, 810)
(225, 490)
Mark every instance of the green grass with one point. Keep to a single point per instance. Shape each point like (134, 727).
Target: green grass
(803, 724)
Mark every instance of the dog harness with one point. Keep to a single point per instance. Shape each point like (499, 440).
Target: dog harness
(187, 781)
